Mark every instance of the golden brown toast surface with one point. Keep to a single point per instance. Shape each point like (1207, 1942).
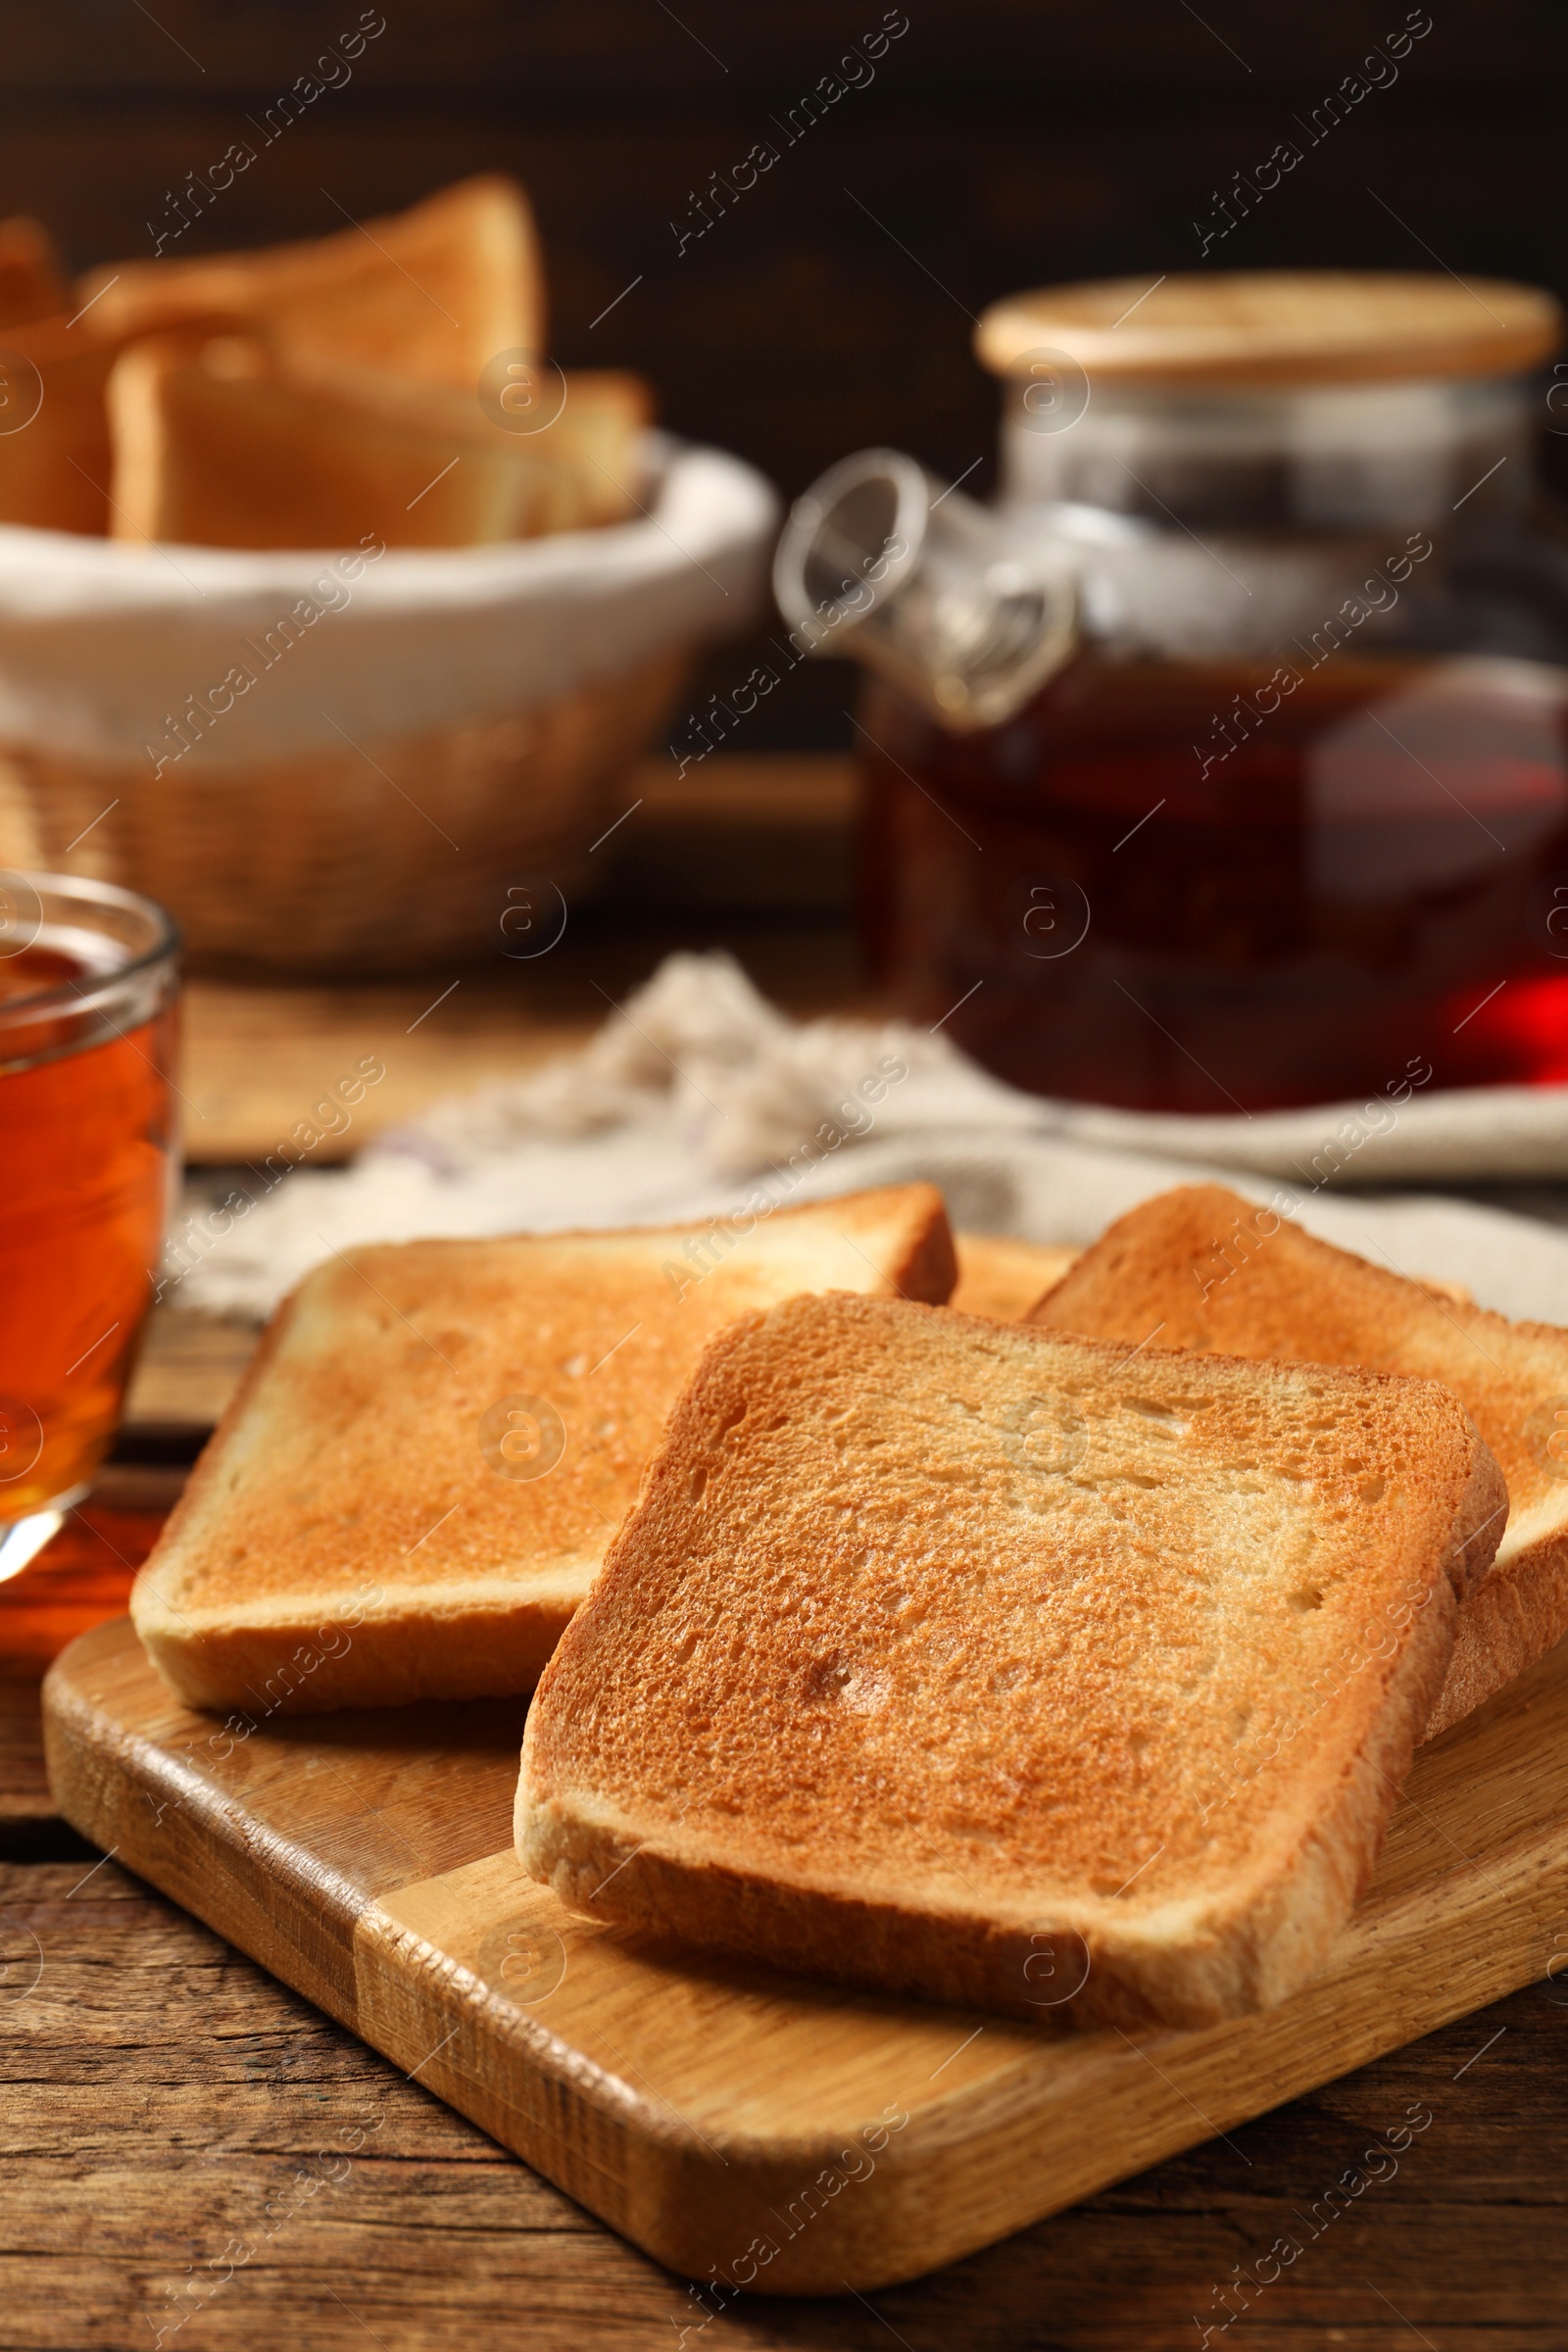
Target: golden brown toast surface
(1004, 1278)
(31, 283)
(437, 291)
(439, 1439)
(218, 445)
(586, 421)
(934, 1644)
(55, 469)
(1201, 1268)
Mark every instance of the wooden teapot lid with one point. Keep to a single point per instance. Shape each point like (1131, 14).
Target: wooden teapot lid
(1275, 327)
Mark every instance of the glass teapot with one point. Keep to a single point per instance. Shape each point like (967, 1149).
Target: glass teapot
(1224, 764)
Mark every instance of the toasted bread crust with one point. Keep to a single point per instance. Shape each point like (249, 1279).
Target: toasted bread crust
(686, 1767)
(345, 1504)
(312, 1664)
(1516, 1613)
(1212, 1270)
(927, 1266)
(1004, 1278)
(432, 292)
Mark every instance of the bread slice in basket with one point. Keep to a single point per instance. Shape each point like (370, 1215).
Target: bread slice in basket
(222, 442)
(54, 460)
(219, 444)
(588, 422)
(965, 1659)
(415, 1484)
(1200, 1267)
(30, 282)
(1004, 1278)
(437, 291)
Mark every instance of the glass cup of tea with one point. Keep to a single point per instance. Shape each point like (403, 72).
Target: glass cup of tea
(88, 984)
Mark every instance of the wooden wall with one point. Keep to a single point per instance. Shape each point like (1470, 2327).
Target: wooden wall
(1000, 143)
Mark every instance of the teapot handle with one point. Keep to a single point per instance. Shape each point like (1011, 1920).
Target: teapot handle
(883, 560)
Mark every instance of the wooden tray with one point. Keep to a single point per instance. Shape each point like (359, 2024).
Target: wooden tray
(746, 2127)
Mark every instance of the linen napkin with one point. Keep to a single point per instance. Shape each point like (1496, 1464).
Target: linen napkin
(697, 1095)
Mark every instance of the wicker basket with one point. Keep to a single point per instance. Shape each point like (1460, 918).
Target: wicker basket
(436, 724)
(369, 860)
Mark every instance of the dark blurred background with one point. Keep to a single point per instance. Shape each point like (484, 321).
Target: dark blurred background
(999, 146)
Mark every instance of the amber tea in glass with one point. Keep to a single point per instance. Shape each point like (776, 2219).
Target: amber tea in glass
(87, 1003)
(1373, 883)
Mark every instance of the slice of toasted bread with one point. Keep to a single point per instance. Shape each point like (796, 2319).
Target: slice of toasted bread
(438, 291)
(54, 463)
(30, 282)
(598, 432)
(1004, 1278)
(1200, 1267)
(938, 1650)
(216, 445)
(591, 423)
(415, 1486)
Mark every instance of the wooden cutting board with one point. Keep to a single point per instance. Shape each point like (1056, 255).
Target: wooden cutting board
(744, 2126)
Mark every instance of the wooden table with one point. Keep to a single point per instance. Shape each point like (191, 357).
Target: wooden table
(191, 2149)
(752, 854)
(166, 2105)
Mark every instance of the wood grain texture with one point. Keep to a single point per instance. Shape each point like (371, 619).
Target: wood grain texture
(80, 1577)
(187, 2146)
(188, 1368)
(753, 854)
(1277, 328)
(698, 2104)
(78, 1581)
